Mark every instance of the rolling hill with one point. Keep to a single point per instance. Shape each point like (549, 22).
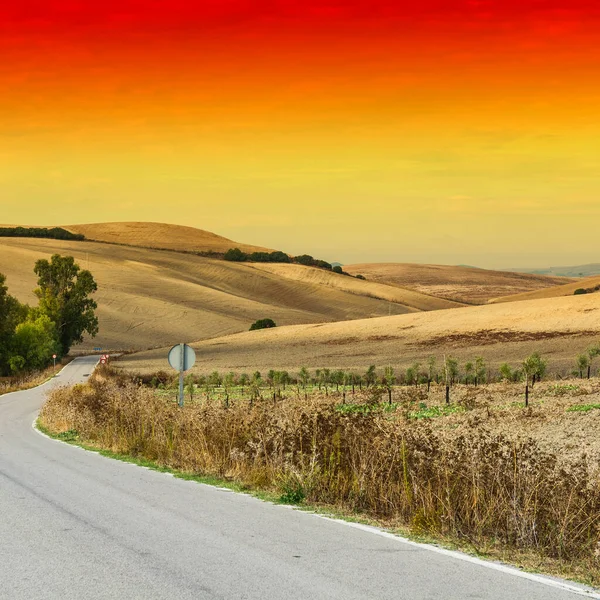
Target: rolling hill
(457, 283)
(559, 328)
(567, 289)
(160, 235)
(575, 271)
(149, 298)
(321, 277)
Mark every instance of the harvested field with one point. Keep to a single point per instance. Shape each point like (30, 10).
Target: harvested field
(410, 298)
(559, 328)
(457, 283)
(567, 289)
(151, 298)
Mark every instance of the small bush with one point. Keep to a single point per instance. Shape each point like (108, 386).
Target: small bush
(579, 292)
(263, 324)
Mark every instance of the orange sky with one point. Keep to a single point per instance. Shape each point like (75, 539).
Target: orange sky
(447, 131)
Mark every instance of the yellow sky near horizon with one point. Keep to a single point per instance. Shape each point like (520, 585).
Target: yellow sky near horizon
(356, 132)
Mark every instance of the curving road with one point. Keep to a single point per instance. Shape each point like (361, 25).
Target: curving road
(76, 525)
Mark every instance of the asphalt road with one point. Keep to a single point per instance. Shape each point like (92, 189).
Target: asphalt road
(76, 525)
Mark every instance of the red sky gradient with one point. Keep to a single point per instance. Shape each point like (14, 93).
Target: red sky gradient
(204, 88)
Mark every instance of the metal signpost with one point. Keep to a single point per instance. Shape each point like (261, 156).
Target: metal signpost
(182, 358)
(54, 359)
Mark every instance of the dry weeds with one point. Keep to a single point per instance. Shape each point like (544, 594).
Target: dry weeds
(461, 476)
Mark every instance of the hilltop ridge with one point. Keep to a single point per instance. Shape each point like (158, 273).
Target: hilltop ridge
(161, 236)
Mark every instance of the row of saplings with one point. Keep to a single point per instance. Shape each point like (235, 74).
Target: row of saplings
(377, 383)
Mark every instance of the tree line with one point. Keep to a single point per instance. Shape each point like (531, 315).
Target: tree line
(30, 335)
(237, 255)
(449, 372)
(54, 233)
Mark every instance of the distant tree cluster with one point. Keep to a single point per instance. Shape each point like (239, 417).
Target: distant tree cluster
(580, 291)
(54, 233)
(308, 261)
(237, 255)
(29, 336)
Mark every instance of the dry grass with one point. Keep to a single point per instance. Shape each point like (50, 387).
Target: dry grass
(460, 284)
(553, 292)
(151, 298)
(29, 380)
(473, 483)
(559, 328)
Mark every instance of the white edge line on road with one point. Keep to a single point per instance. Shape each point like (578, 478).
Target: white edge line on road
(555, 583)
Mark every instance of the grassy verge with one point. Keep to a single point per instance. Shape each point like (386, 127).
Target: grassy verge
(477, 490)
(26, 382)
(525, 561)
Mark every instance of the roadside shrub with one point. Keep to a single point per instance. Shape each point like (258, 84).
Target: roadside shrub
(475, 485)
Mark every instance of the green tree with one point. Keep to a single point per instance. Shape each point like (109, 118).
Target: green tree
(370, 376)
(338, 269)
(469, 370)
(480, 370)
(215, 379)
(388, 381)
(304, 377)
(305, 259)
(190, 386)
(533, 367)
(12, 312)
(506, 372)
(583, 362)
(279, 257)
(450, 370)
(64, 296)
(431, 369)
(593, 352)
(325, 379)
(228, 385)
(35, 341)
(244, 381)
(235, 255)
(338, 378)
(412, 374)
(263, 324)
